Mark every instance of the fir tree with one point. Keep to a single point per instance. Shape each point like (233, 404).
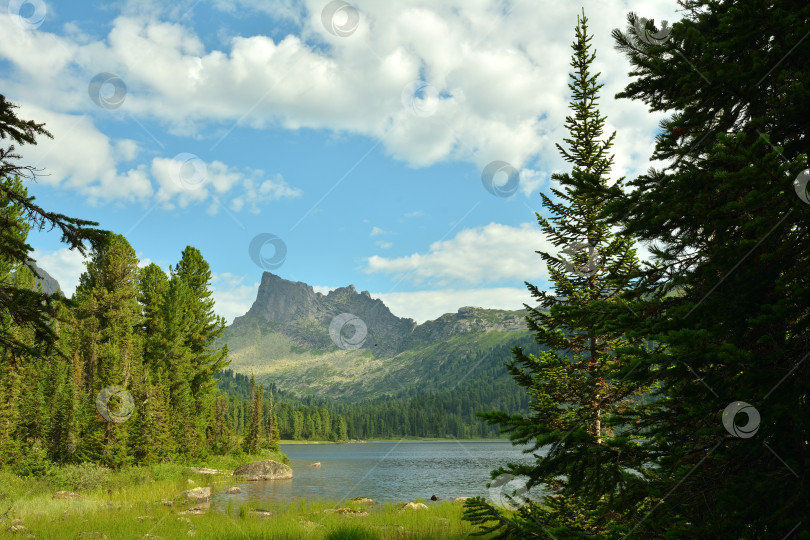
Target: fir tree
(728, 297)
(273, 436)
(250, 445)
(577, 385)
(27, 307)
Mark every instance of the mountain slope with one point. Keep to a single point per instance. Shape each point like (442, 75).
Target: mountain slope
(285, 339)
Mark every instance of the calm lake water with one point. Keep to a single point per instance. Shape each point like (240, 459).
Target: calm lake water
(385, 471)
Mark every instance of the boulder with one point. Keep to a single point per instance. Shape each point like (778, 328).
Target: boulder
(17, 529)
(316, 465)
(66, 495)
(460, 499)
(196, 510)
(414, 506)
(199, 494)
(363, 500)
(233, 490)
(264, 470)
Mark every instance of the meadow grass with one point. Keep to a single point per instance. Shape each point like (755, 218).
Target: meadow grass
(130, 503)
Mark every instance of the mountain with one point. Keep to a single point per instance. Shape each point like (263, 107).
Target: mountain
(348, 346)
(49, 284)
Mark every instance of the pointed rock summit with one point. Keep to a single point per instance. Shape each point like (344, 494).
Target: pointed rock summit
(318, 321)
(295, 309)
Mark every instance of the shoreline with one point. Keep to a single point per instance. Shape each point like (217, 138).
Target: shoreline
(403, 439)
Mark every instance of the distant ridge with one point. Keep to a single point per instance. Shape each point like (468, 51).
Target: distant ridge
(285, 339)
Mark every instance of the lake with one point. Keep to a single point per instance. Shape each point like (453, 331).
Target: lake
(386, 471)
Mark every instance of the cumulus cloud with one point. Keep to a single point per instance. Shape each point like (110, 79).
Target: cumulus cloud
(485, 254)
(499, 80)
(64, 265)
(233, 296)
(428, 305)
(82, 158)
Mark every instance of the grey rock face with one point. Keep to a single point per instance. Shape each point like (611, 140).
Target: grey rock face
(297, 311)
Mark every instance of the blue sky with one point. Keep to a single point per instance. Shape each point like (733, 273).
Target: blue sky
(354, 134)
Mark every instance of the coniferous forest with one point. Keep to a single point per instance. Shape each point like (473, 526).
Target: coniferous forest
(660, 397)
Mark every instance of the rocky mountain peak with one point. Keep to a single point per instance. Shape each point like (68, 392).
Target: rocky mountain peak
(296, 310)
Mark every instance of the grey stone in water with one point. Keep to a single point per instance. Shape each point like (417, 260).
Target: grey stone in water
(264, 470)
(199, 494)
(233, 490)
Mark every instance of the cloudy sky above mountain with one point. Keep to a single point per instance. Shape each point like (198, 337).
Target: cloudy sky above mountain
(327, 142)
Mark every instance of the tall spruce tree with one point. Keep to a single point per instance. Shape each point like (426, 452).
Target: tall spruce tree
(728, 299)
(107, 315)
(250, 444)
(273, 435)
(28, 308)
(576, 386)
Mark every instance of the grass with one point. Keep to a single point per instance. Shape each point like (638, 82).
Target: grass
(129, 503)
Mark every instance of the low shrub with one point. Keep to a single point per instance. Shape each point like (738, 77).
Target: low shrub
(81, 477)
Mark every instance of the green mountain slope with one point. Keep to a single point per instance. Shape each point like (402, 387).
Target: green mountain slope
(284, 340)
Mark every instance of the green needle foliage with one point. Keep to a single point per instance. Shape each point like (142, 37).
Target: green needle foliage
(579, 385)
(728, 299)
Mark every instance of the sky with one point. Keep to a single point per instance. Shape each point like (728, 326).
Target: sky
(398, 146)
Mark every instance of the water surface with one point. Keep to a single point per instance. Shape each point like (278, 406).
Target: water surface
(385, 471)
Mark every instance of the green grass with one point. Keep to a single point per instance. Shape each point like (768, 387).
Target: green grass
(127, 504)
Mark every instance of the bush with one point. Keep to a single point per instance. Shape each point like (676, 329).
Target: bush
(81, 477)
(34, 463)
(167, 471)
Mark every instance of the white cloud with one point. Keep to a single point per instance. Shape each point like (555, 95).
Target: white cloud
(384, 245)
(376, 231)
(83, 158)
(501, 78)
(64, 265)
(232, 296)
(485, 254)
(428, 305)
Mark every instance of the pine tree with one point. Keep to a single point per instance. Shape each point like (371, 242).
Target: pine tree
(28, 308)
(577, 385)
(107, 314)
(250, 445)
(728, 297)
(273, 436)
